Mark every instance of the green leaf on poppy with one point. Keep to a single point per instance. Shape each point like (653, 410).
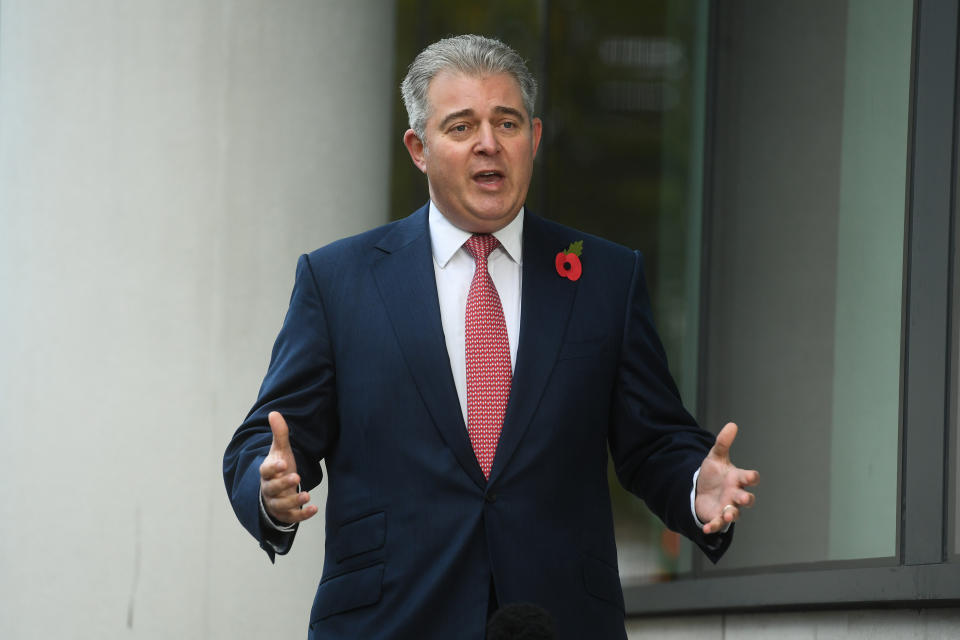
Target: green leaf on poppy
(576, 248)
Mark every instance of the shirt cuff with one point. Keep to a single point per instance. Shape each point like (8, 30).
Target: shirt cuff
(287, 528)
(693, 507)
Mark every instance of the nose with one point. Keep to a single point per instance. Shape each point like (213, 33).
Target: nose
(487, 142)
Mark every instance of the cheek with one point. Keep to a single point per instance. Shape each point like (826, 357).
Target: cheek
(444, 176)
(523, 158)
(444, 167)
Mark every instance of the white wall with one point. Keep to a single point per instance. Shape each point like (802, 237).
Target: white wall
(162, 164)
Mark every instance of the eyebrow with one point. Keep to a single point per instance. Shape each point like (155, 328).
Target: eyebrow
(510, 111)
(516, 113)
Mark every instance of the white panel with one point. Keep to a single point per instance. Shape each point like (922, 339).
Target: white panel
(900, 624)
(162, 164)
(685, 628)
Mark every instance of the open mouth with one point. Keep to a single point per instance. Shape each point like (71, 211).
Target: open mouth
(488, 177)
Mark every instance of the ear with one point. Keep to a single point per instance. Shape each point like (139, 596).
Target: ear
(416, 149)
(537, 132)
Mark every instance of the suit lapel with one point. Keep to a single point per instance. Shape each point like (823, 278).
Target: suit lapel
(408, 287)
(546, 301)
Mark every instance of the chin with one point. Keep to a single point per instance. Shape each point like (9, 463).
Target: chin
(496, 214)
(494, 222)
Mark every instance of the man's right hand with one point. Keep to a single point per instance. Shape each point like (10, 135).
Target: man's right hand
(279, 478)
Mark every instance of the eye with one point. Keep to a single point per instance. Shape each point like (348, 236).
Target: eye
(510, 125)
(459, 128)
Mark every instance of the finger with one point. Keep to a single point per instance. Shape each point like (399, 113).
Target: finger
(743, 499)
(286, 485)
(272, 466)
(748, 478)
(289, 502)
(281, 484)
(292, 510)
(721, 447)
(717, 524)
(299, 515)
(729, 513)
(281, 433)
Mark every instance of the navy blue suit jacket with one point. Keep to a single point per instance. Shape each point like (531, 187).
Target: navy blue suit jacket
(414, 532)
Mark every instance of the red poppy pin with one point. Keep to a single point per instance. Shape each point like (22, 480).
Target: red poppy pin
(568, 261)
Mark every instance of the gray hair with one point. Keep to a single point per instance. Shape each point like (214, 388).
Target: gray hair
(468, 54)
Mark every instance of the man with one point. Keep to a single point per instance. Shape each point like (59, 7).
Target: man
(463, 372)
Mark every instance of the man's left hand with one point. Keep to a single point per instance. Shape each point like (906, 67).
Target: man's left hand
(720, 485)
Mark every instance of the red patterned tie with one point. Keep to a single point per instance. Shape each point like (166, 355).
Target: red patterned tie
(488, 356)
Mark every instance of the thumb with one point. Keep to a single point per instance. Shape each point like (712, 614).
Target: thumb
(281, 434)
(724, 440)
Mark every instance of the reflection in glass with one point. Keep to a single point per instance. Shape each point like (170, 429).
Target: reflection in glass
(806, 270)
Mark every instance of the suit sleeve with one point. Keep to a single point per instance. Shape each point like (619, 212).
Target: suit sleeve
(655, 443)
(300, 384)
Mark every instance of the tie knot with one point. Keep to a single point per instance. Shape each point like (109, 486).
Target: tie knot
(480, 245)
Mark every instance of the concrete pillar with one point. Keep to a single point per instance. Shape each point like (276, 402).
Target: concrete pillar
(162, 164)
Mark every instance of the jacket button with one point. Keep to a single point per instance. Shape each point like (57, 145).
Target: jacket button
(490, 497)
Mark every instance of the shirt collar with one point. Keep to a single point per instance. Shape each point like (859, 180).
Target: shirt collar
(446, 239)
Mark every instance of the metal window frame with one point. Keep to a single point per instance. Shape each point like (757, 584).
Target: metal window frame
(925, 571)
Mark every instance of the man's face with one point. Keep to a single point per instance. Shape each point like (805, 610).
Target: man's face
(479, 149)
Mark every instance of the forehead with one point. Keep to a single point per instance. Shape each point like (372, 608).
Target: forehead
(451, 91)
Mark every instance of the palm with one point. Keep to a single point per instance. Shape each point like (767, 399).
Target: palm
(720, 490)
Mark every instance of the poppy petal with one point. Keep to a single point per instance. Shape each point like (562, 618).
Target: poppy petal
(575, 267)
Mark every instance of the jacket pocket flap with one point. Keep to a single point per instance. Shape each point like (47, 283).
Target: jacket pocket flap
(348, 591)
(362, 535)
(602, 581)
